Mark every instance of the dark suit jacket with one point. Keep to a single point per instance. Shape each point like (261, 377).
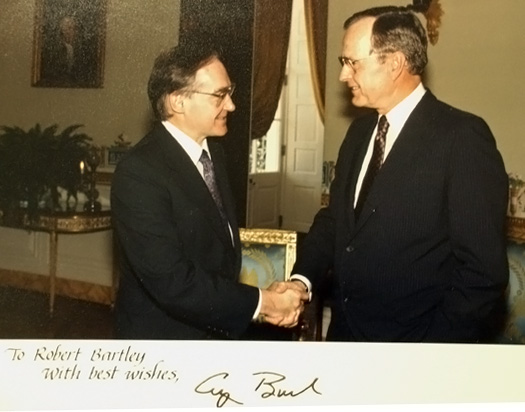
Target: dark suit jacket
(426, 261)
(178, 266)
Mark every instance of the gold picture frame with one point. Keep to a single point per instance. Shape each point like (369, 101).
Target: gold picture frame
(268, 255)
(513, 330)
(69, 43)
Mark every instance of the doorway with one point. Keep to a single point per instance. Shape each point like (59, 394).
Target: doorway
(285, 168)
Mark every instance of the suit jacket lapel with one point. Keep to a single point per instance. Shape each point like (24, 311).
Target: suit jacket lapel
(189, 179)
(363, 134)
(410, 141)
(224, 186)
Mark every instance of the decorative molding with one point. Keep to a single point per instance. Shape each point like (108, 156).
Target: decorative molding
(516, 229)
(288, 238)
(28, 250)
(273, 236)
(65, 223)
(64, 287)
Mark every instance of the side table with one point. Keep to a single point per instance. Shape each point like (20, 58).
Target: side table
(60, 222)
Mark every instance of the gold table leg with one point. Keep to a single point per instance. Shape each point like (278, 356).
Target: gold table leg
(53, 250)
(114, 274)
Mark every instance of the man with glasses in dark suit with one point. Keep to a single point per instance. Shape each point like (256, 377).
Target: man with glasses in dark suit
(174, 215)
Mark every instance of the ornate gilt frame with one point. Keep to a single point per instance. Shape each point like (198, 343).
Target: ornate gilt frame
(89, 20)
(269, 237)
(516, 229)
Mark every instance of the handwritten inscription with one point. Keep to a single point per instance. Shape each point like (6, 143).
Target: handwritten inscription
(56, 354)
(125, 355)
(270, 384)
(207, 387)
(62, 362)
(149, 374)
(61, 373)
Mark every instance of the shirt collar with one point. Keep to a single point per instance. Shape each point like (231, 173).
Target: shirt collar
(399, 114)
(190, 146)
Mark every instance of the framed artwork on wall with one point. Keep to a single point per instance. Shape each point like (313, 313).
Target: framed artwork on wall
(69, 43)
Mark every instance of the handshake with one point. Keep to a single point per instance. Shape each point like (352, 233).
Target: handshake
(283, 303)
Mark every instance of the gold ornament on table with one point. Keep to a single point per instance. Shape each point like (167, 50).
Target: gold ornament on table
(120, 147)
(516, 191)
(88, 172)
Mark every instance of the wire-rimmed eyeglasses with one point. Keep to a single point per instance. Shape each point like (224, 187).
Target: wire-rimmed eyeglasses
(347, 61)
(220, 94)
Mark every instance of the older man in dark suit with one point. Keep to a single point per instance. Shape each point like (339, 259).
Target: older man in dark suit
(174, 215)
(414, 233)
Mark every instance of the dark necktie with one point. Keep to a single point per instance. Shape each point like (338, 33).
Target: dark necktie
(376, 161)
(209, 178)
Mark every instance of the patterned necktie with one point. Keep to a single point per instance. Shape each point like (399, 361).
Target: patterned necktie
(375, 164)
(209, 178)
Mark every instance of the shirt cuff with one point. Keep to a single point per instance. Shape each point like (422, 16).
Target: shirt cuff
(258, 308)
(306, 283)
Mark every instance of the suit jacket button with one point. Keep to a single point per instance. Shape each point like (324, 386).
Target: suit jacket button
(350, 249)
(345, 300)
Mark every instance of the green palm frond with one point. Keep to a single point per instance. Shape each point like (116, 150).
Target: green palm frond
(34, 162)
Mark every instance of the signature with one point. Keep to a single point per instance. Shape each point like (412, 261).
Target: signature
(270, 384)
(206, 387)
(269, 381)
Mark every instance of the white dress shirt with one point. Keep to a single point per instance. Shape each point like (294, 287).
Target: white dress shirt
(396, 120)
(190, 146)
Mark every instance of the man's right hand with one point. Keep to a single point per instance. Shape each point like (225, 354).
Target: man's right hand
(283, 308)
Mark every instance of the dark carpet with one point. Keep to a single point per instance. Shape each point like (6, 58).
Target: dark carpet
(25, 315)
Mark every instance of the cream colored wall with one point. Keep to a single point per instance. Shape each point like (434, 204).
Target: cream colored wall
(476, 66)
(135, 34)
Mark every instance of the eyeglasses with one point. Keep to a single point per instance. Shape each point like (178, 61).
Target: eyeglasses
(220, 95)
(347, 61)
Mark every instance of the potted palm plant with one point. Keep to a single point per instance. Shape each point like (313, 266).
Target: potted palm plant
(35, 163)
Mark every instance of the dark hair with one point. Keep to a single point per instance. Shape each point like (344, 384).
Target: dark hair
(397, 29)
(175, 69)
